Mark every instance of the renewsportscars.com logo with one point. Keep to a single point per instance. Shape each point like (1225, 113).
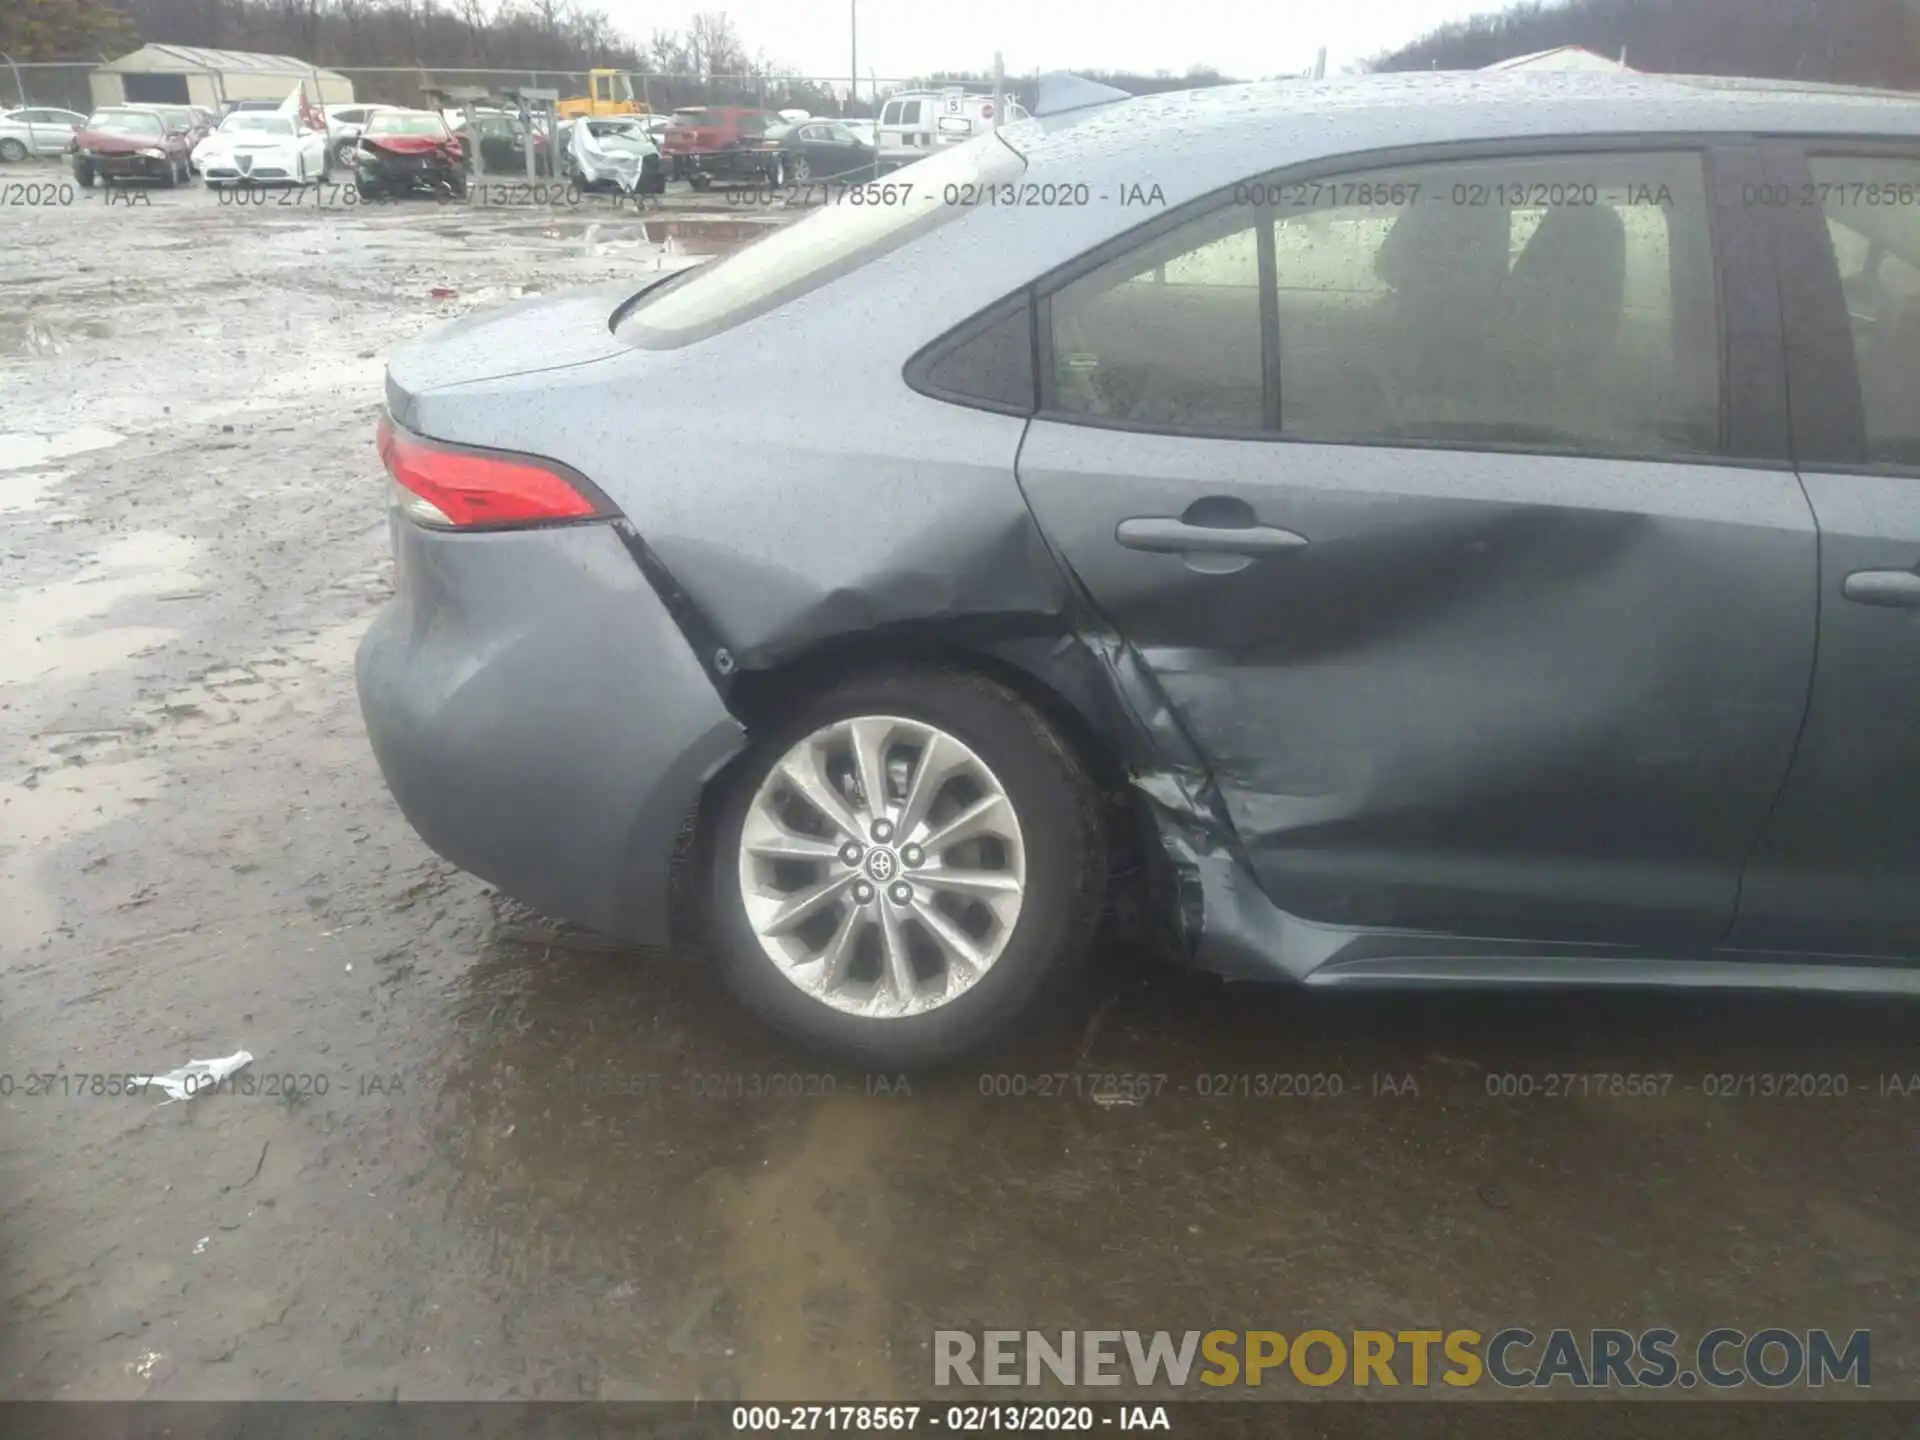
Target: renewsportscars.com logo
(1513, 1358)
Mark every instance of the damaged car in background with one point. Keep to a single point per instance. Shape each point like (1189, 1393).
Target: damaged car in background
(126, 142)
(405, 152)
(1393, 542)
(613, 154)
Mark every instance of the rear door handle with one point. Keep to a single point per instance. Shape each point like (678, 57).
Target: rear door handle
(1168, 536)
(1895, 589)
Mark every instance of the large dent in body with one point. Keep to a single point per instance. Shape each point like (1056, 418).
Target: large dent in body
(1221, 919)
(964, 560)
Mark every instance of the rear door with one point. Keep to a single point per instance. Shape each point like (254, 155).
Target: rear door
(47, 131)
(1838, 870)
(1449, 504)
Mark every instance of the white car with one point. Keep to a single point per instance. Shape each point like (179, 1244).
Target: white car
(613, 152)
(37, 130)
(256, 147)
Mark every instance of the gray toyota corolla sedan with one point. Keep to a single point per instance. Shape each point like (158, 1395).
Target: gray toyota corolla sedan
(1446, 530)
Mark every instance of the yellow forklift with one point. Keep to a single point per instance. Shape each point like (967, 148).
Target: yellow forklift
(609, 92)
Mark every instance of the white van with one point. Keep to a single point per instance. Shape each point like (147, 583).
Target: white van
(915, 122)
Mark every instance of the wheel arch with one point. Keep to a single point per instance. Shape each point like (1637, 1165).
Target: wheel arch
(1058, 675)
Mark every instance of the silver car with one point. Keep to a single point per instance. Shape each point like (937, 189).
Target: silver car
(1376, 533)
(37, 130)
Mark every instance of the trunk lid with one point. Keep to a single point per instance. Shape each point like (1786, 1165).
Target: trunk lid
(543, 332)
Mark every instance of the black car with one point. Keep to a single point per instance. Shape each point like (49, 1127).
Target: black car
(501, 143)
(818, 150)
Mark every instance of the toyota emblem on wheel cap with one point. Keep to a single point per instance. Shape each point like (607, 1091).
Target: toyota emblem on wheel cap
(880, 865)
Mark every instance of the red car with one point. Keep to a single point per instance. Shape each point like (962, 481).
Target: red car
(125, 142)
(708, 142)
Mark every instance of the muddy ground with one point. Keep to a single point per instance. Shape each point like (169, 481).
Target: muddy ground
(506, 1160)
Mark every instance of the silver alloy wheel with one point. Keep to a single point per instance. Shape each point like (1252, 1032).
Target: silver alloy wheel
(882, 866)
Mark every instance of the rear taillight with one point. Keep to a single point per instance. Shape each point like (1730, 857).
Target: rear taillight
(986, 111)
(452, 488)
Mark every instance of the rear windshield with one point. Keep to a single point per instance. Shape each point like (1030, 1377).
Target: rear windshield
(392, 124)
(831, 242)
(694, 115)
(126, 122)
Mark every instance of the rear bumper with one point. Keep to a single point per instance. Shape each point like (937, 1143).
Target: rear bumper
(541, 720)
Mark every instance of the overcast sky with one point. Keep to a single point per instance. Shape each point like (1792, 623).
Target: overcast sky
(1249, 38)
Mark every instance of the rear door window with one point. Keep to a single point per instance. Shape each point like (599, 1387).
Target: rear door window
(1539, 302)
(1872, 208)
(1562, 301)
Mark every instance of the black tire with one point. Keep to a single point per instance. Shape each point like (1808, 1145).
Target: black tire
(700, 180)
(172, 178)
(12, 151)
(1059, 813)
(83, 176)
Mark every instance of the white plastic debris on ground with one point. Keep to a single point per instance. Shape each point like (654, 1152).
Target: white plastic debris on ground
(196, 1077)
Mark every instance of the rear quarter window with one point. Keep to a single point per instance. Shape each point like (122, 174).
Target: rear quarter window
(830, 243)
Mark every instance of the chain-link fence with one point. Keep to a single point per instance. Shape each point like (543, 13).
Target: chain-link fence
(65, 85)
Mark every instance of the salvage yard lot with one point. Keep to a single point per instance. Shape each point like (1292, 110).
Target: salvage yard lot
(486, 1157)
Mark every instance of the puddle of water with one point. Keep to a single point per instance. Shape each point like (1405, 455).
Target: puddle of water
(23, 451)
(64, 805)
(33, 645)
(692, 236)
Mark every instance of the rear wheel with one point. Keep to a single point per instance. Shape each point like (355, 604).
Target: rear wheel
(12, 151)
(900, 871)
(345, 152)
(802, 172)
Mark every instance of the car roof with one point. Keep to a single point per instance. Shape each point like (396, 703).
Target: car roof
(1230, 132)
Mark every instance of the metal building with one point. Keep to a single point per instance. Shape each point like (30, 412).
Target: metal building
(185, 75)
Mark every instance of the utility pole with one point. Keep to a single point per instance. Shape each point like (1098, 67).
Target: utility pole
(999, 89)
(853, 59)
